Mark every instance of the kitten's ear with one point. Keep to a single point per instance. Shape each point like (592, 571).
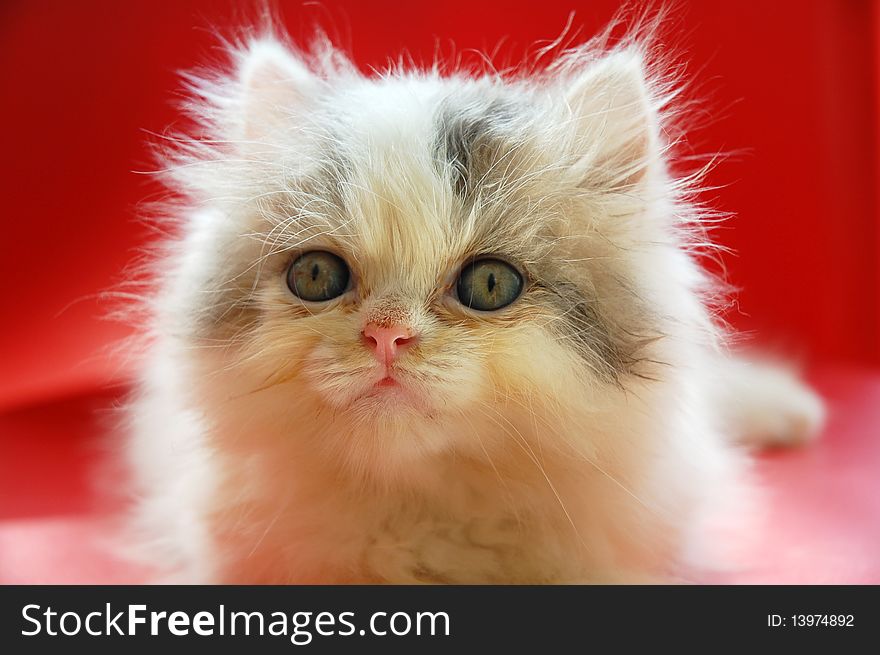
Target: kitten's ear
(612, 110)
(275, 86)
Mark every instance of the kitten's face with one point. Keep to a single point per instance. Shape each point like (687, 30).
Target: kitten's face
(400, 299)
(431, 257)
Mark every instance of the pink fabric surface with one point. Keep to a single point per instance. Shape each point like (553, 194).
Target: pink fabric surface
(821, 503)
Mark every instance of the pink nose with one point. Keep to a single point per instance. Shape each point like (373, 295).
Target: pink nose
(387, 341)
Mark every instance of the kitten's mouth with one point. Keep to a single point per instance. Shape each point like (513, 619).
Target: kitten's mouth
(389, 392)
(389, 387)
(387, 382)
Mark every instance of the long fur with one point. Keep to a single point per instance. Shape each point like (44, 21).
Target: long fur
(579, 435)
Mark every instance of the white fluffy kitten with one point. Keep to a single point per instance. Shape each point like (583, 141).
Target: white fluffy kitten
(421, 327)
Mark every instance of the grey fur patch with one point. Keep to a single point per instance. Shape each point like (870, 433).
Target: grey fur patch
(610, 351)
(470, 141)
(229, 305)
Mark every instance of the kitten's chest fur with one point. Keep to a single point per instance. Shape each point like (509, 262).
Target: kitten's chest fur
(470, 534)
(481, 548)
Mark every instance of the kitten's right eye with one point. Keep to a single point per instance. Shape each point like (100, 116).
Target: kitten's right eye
(318, 276)
(488, 285)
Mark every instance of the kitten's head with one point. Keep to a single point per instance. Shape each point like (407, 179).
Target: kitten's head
(417, 261)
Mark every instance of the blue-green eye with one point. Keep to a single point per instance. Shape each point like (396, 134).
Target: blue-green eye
(318, 276)
(489, 284)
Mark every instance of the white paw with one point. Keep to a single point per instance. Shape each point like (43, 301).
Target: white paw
(783, 412)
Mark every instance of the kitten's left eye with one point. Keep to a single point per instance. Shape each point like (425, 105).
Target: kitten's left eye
(489, 284)
(318, 276)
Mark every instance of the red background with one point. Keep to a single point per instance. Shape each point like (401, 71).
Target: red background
(789, 84)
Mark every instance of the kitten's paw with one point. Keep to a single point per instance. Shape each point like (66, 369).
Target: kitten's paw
(772, 407)
(797, 419)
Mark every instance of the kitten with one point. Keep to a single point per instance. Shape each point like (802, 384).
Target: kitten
(445, 328)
